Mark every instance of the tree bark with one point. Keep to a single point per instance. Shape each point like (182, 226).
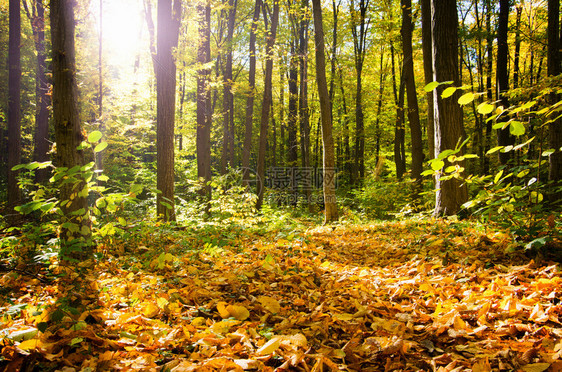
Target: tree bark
(399, 130)
(413, 109)
(292, 153)
(203, 143)
(75, 234)
(330, 205)
(266, 103)
(251, 96)
(14, 104)
(449, 131)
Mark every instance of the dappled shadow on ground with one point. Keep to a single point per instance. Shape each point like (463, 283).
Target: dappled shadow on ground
(396, 296)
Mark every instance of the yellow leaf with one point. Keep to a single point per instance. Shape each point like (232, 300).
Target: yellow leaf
(29, 344)
(161, 302)
(270, 304)
(535, 367)
(223, 312)
(239, 312)
(151, 310)
(269, 347)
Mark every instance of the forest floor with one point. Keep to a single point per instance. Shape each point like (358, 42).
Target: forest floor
(410, 295)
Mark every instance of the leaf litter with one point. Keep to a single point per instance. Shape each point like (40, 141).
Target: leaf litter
(393, 296)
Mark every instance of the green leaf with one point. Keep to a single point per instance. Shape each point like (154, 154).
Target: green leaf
(548, 152)
(516, 128)
(100, 147)
(76, 340)
(427, 172)
(485, 108)
(437, 164)
(466, 98)
(103, 177)
(448, 92)
(498, 176)
(95, 136)
(429, 87)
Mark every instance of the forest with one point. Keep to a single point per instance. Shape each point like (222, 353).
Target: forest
(234, 185)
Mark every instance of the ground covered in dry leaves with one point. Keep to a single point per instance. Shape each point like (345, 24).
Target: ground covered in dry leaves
(407, 296)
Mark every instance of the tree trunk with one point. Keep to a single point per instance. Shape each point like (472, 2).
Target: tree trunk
(42, 97)
(228, 97)
(250, 100)
(204, 101)
(489, 72)
(413, 110)
(359, 29)
(553, 67)
(303, 98)
(169, 18)
(428, 72)
(292, 154)
(75, 234)
(266, 103)
(452, 193)
(516, 71)
(399, 130)
(504, 136)
(330, 205)
(14, 104)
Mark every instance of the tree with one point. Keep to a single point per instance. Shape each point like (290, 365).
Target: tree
(204, 99)
(359, 29)
(555, 127)
(504, 136)
(428, 71)
(14, 102)
(449, 130)
(228, 97)
(266, 102)
(75, 231)
(42, 98)
(330, 205)
(251, 95)
(169, 18)
(413, 110)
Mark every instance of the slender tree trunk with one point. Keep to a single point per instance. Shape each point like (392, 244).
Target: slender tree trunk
(98, 157)
(282, 72)
(292, 154)
(14, 104)
(266, 103)
(504, 137)
(428, 72)
(359, 30)
(228, 97)
(413, 109)
(516, 71)
(330, 205)
(250, 100)
(554, 128)
(42, 97)
(382, 80)
(303, 98)
(452, 193)
(204, 100)
(75, 231)
(346, 140)
(489, 72)
(399, 129)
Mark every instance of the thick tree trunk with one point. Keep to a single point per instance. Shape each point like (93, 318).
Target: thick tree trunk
(14, 104)
(413, 109)
(330, 205)
(169, 17)
(452, 193)
(204, 101)
(250, 100)
(265, 104)
(75, 232)
(504, 136)
(399, 128)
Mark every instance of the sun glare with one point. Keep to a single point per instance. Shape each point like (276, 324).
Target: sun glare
(122, 27)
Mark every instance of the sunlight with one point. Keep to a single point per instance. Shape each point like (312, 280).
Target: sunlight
(122, 28)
